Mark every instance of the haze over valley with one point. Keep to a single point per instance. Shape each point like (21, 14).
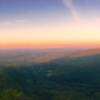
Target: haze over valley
(27, 74)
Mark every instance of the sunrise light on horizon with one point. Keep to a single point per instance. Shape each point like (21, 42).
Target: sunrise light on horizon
(49, 23)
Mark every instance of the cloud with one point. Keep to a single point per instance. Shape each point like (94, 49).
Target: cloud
(6, 23)
(21, 21)
(69, 4)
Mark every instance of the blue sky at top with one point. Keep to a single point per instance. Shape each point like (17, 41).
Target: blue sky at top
(42, 9)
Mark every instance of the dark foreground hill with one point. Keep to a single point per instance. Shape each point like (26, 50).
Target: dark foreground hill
(64, 76)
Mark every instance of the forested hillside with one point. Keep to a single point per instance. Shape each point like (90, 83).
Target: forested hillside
(60, 79)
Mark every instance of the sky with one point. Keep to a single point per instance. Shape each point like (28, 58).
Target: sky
(49, 23)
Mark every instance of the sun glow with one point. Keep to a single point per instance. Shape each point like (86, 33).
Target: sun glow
(79, 32)
(74, 33)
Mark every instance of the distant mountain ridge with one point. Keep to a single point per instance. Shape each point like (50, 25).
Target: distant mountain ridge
(68, 55)
(30, 56)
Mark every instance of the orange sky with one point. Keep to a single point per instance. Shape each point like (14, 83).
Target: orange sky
(73, 34)
(49, 23)
(48, 44)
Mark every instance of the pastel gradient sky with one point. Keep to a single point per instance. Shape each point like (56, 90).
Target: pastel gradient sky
(49, 23)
